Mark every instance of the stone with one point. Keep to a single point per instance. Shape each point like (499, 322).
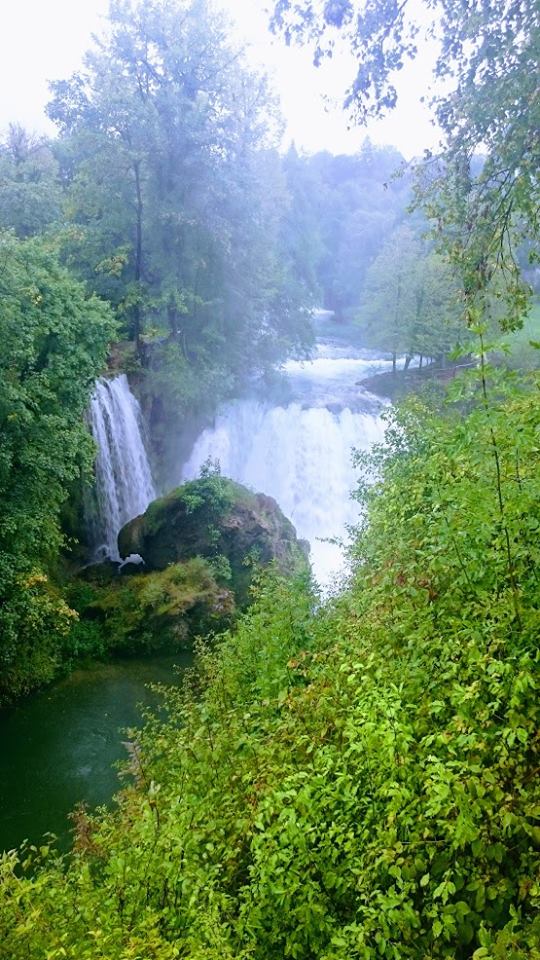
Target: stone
(215, 518)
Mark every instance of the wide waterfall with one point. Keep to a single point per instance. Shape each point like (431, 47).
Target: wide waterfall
(301, 452)
(124, 485)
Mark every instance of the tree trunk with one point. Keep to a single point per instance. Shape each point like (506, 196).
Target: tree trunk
(138, 256)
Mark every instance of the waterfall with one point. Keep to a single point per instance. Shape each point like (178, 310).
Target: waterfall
(300, 456)
(300, 452)
(124, 486)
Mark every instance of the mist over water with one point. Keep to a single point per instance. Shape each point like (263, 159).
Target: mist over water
(301, 453)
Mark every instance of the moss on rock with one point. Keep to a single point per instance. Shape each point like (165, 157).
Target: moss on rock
(159, 610)
(215, 518)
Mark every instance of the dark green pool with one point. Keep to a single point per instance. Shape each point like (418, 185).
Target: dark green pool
(59, 747)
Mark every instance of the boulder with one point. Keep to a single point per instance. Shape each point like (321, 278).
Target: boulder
(215, 518)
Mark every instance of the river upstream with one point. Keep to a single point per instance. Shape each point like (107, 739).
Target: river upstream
(61, 747)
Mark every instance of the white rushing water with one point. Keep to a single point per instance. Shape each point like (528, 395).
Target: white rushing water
(300, 453)
(124, 485)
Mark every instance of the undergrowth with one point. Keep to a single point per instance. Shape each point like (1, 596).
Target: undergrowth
(351, 780)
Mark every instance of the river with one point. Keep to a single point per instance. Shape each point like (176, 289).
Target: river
(61, 746)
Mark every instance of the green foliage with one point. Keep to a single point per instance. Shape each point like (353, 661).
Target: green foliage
(411, 302)
(36, 624)
(164, 609)
(523, 353)
(355, 780)
(30, 192)
(54, 341)
(342, 209)
(204, 501)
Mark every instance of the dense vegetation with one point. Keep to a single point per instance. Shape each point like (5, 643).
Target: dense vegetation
(54, 342)
(342, 210)
(339, 779)
(356, 781)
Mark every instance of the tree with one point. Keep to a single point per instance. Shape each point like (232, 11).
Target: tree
(301, 231)
(369, 204)
(488, 57)
(412, 303)
(175, 186)
(54, 342)
(388, 308)
(342, 209)
(30, 192)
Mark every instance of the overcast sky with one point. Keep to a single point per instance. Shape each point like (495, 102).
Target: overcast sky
(45, 40)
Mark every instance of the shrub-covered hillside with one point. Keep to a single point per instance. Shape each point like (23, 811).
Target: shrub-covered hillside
(54, 339)
(357, 780)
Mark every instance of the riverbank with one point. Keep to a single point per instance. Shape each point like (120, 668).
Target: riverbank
(396, 386)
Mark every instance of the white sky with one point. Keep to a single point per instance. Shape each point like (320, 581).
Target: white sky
(45, 40)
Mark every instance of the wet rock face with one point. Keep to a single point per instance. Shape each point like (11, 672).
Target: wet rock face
(220, 520)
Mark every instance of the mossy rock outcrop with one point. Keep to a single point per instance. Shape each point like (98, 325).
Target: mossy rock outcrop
(161, 610)
(222, 521)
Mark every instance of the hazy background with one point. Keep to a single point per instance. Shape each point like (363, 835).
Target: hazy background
(46, 40)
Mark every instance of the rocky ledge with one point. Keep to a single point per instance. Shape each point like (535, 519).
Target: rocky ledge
(224, 523)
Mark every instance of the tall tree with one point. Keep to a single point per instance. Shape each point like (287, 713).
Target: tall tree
(343, 208)
(488, 55)
(175, 187)
(30, 191)
(412, 303)
(388, 307)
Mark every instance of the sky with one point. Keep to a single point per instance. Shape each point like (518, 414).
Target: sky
(45, 40)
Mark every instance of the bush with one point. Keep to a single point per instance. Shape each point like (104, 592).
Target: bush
(35, 625)
(357, 780)
(160, 610)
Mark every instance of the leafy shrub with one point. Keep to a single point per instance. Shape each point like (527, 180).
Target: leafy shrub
(355, 780)
(35, 624)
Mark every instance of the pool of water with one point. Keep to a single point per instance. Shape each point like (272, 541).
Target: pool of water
(61, 746)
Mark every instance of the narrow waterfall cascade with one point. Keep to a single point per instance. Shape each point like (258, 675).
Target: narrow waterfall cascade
(124, 485)
(301, 453)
